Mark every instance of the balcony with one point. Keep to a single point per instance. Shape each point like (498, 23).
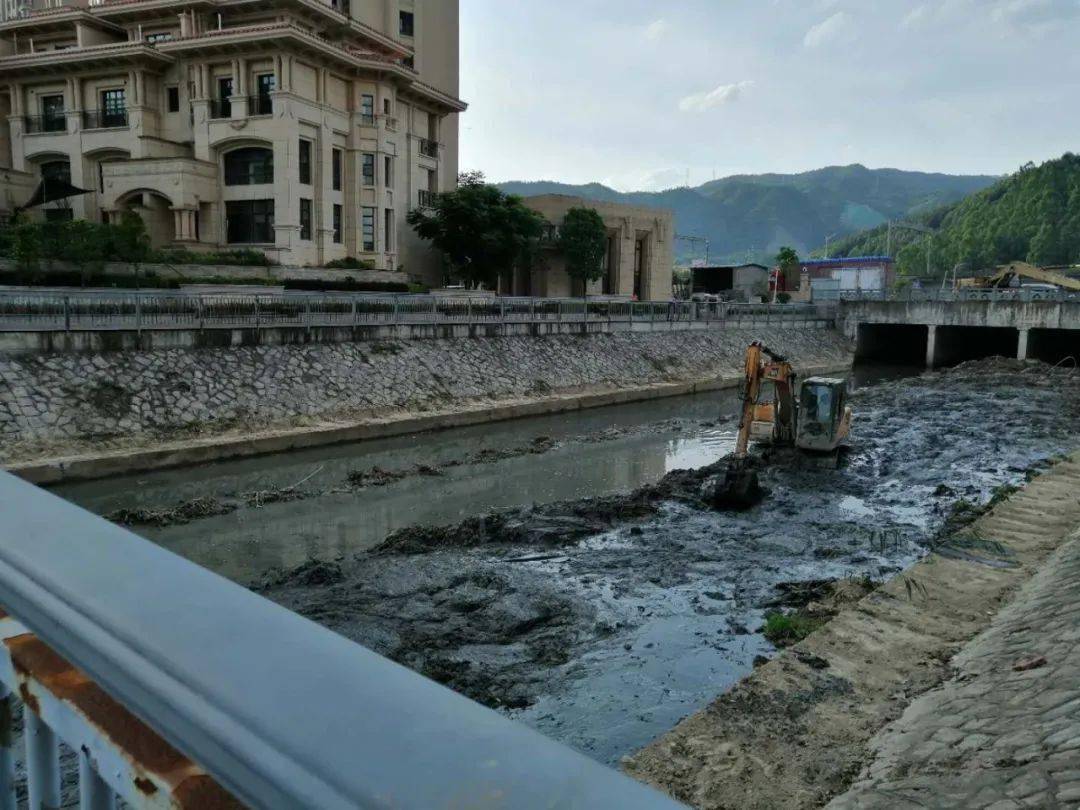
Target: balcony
(429, 148)
(34, 124)
(105, 119)
(261, 104)
(220, 108)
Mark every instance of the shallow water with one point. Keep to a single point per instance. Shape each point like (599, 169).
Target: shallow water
(599, 452)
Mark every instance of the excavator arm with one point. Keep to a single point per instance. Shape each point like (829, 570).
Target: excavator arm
(778, 416)
(1007, 272)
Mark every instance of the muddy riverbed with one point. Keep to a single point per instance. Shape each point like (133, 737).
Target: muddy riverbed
(603, 622)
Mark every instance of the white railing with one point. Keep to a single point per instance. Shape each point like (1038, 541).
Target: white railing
(42, 310)
(110, 641)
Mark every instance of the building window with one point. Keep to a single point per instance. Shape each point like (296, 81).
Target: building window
(407, 25)
(388, 171)
(249, 221)
(223, 104)
(52, 114)
(388, 230)
(335, 169)
(249, 166)
(173, 99)
(305, 162)
(367, 229)
(265, 84)
(160, 36)
(409, 62)
(113, 108)
(337, 224)
(367, 108)
(56, 171)
(386, 106)
(305, 219)
(367, 169)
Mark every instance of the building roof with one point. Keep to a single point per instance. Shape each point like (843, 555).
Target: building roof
(847, 260)
(728, 266)
(571, 201)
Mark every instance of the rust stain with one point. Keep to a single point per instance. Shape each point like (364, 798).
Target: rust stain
(35, 661)
(202, 792)
(28, 698)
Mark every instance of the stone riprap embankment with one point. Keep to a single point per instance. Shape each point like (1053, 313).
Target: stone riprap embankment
(56, 403)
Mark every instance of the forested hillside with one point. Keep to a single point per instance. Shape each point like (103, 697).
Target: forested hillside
(752, 216)
(1032, 215)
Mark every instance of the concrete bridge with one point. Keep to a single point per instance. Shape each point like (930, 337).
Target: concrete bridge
(945, 330)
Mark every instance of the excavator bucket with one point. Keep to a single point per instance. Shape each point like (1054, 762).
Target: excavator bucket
(738, 489)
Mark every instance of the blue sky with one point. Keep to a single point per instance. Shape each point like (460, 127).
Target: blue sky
(635, 93)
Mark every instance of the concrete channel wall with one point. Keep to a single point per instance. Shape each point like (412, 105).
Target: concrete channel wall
(80, 403)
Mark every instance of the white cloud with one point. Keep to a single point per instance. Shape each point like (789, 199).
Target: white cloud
(836, 30)
(916, 17)
(1034, 13)
(657, 29)
(724, 94)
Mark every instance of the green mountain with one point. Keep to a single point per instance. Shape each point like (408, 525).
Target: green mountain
(752, 216)
(1032, 215)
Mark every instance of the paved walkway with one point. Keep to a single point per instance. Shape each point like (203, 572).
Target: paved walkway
(1005, 731)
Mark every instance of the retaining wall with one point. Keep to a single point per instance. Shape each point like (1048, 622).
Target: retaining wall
(169, 393)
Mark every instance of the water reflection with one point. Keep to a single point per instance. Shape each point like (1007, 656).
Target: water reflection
(601, 452)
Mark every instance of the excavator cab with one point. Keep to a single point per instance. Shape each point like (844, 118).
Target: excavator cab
(824, 418)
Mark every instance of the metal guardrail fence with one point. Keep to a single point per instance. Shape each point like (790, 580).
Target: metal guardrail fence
(1016, 294)
(280, 711)
(30, 311)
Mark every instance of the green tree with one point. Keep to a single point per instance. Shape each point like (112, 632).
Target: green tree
(129, 241)
(582, 242)
(26, 246)
(788, 262)
(482, 232)
(84, 245)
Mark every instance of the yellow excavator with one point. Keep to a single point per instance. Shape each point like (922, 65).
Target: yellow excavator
(1006, 273)
(815, 421)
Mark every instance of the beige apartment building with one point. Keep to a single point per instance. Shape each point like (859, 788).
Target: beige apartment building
(639, 261)
(306, 129)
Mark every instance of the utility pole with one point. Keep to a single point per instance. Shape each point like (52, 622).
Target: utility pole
(696, 240)
(911, 226)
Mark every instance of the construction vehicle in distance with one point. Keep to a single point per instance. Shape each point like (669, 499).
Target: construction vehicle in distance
(1018, 271)
(814, 420)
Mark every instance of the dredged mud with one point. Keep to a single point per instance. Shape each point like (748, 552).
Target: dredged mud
(603, 621)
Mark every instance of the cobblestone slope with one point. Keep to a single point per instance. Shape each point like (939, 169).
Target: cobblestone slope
(1004, 732)
(101, 396)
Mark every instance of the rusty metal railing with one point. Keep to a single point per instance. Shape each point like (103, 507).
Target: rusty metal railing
(169, 686)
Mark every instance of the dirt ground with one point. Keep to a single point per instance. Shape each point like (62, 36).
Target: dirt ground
(604, 621)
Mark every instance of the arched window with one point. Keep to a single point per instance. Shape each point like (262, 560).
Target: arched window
(252, 164)
(56, 170)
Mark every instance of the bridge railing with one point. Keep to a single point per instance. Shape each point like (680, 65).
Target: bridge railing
(98, 310)
(1022, 294)
(178, 688)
